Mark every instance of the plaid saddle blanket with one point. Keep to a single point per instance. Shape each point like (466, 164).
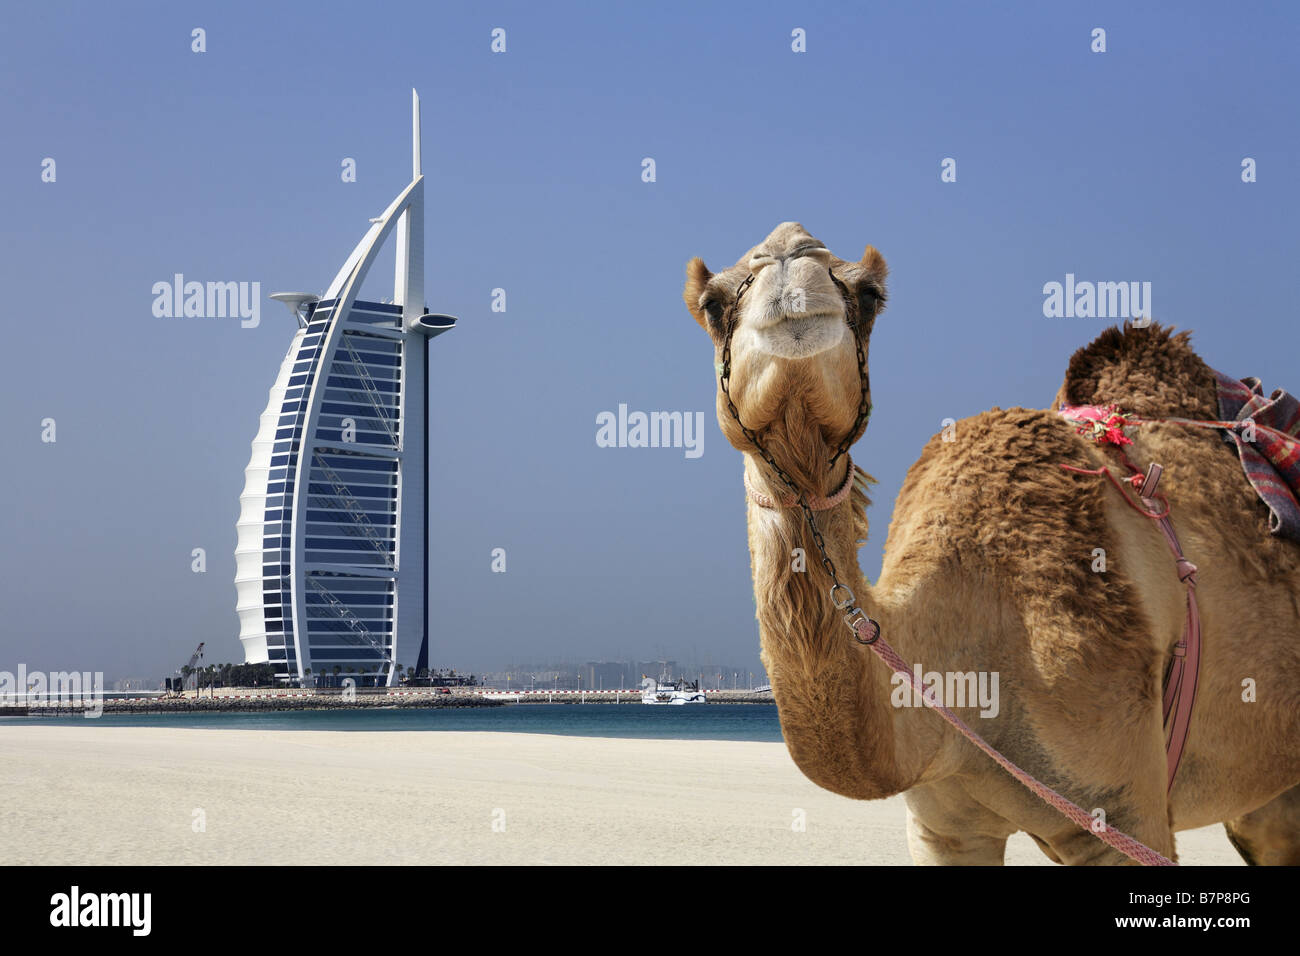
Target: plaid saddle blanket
(1266, 431)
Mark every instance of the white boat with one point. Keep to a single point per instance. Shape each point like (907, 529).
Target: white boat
(673, 692)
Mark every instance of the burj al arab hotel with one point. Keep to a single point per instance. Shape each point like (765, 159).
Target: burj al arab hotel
(331, 564)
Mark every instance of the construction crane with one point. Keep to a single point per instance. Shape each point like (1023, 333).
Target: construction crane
(176, 684)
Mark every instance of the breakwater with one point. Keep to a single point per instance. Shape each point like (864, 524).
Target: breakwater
(254, 703)
(257, 701)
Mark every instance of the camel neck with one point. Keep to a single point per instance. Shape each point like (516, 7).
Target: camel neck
(833, 697)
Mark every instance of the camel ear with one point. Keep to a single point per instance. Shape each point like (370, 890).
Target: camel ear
(697, 280)
(872, 272)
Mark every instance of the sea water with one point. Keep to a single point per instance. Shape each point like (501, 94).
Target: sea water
(756, 722)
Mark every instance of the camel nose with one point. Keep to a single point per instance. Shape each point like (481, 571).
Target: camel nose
(761, 261)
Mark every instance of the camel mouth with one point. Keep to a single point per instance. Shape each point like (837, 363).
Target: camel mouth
(778, 316)
(801, 335)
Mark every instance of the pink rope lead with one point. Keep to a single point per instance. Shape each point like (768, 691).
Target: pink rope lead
(868, 633)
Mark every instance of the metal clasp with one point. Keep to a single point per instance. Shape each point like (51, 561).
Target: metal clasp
(856, 616)
(853, 615)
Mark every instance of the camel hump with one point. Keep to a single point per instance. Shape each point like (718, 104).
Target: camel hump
(1149, 371)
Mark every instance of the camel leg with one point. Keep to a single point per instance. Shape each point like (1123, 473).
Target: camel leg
(946, 828)
(1269, 836)
(1074, 846)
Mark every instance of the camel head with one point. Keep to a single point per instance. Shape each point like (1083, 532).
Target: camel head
(794, 362)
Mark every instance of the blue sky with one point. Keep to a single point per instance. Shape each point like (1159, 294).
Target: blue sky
(225, 165)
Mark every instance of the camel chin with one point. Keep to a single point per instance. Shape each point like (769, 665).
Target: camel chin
(800, 336)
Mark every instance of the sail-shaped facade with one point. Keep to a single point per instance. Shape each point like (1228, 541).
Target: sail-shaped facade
(332, 554)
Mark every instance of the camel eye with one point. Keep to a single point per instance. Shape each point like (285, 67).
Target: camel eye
(714, 309)
(870, 299)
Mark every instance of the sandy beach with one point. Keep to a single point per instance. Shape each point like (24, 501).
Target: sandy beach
(106, 795)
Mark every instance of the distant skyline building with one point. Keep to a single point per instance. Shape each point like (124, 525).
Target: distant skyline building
(331, 561)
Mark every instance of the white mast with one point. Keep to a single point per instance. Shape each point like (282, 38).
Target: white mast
(408, 280)
(415, 135)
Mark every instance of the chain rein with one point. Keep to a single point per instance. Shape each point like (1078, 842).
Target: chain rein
(841, 595)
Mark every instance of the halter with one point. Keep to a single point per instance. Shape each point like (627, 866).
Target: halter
(814, 502)
(842, 597)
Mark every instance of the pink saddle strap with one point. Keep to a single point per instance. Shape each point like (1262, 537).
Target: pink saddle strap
(1182, 676)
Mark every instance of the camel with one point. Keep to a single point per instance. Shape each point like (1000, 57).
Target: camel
(989, 567)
